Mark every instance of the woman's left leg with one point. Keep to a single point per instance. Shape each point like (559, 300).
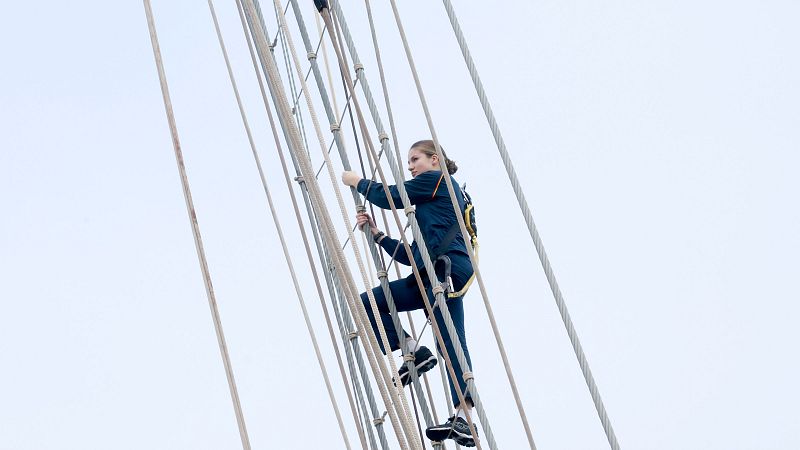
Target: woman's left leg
(456, 308)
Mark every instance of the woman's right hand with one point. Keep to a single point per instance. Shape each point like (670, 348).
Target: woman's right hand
(364, 218)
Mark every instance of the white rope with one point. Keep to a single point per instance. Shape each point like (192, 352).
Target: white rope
(187, 194)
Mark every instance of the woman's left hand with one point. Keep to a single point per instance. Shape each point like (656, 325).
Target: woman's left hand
(350, 178)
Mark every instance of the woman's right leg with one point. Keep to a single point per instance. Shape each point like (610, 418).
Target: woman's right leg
(406, 298)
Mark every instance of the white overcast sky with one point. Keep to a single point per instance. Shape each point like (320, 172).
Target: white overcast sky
(658, 147)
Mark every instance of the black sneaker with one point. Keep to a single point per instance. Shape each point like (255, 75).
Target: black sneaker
(423, 359)
(456, 429)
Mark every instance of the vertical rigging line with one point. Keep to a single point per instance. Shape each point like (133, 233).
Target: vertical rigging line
(212, 301)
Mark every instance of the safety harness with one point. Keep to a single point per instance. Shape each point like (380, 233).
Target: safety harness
(472, 229)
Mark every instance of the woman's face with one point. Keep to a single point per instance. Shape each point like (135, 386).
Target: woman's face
(419, 162)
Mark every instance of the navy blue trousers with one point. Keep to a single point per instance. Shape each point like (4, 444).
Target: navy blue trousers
(407, 297)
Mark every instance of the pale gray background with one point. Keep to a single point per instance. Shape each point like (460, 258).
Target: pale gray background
(658, 147)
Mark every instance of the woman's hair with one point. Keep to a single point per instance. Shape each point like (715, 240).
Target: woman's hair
(427, 147)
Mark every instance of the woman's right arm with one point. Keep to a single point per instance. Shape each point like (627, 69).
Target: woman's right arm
(388, 244)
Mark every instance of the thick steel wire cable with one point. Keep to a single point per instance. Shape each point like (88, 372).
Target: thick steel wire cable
(198, 240)
(326, 64)
(288, 258)
(330, 274)
(325, 220)
(321, 139)
(537, 241)
(440, 299)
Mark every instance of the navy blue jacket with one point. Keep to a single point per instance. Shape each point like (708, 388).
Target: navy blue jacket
(434, 212)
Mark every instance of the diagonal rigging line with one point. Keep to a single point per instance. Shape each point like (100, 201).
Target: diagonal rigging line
(212, 301)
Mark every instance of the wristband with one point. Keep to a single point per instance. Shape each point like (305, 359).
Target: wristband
(379, 237)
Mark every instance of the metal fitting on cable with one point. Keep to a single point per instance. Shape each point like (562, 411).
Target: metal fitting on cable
(383, 137)
(311, 56)
(468, 376)
(300, 179)
(438, 289)
(358, 67)
(409, 210)
(352, 335)
(335, 127)
(408, 357)
(382, 274)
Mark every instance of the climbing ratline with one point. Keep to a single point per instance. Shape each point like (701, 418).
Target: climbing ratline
(366, 325)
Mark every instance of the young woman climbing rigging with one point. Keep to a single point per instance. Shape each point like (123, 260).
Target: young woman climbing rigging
(435, 216)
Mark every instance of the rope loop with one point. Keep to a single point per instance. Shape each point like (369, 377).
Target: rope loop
(408, 357)
(383, 274)
(438, 289)
(352, 335)
(468, 376)
(358, 67)
(335, 127)
(383, 137)
(361, 209)
(299, 179)
(409, 210)
(380, 420)
(311, 56)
